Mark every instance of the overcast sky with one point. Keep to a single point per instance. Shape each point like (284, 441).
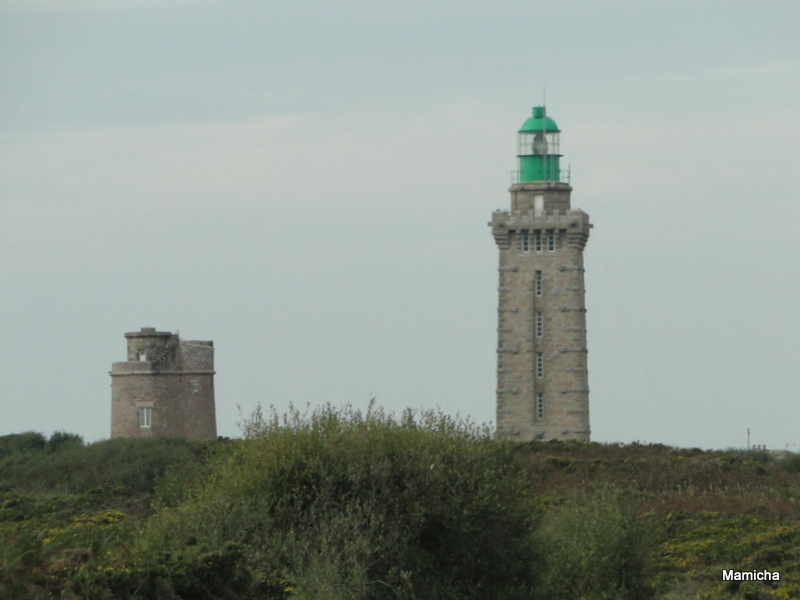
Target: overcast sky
(308, 184)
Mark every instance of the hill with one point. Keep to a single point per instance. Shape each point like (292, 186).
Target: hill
(341, 504)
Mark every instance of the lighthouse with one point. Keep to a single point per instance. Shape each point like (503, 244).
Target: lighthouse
(542, 367)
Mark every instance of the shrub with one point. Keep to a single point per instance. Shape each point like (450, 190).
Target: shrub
(132, 464)
(352, 505)
(61, 440)
(594, 547)
(187, 575)
(791, 463)
(21, 442)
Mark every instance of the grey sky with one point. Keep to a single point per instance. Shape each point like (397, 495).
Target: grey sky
(308, 184)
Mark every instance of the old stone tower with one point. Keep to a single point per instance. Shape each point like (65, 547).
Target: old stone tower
(542, 376)
(164, 389)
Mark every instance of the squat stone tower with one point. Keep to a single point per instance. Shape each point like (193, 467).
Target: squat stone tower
(542, 376)
(164, 389)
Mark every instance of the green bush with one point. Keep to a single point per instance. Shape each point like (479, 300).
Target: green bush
(594, 547)
(61, 440)
(352, 505)
(188, 575)
(64, 520)
(132, 464)
(791, 463)
(16, 443)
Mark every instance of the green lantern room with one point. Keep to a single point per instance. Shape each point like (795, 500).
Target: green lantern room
(538, 148)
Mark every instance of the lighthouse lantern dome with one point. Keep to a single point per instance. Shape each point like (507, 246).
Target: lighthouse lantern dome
(538, 148)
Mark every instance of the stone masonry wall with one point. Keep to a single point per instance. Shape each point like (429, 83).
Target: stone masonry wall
(541, 317)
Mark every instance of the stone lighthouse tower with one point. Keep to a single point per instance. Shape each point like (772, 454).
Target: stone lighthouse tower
(542, 376)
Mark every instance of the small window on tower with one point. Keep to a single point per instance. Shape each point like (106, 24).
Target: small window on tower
(145, 416)
(142, 355)
(537, 283)
(551, 240)
(540, 405)
(539, 364)
(539, 324)
(537, 240)
(526, 240)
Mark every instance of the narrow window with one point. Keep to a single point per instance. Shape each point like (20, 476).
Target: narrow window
(526, 241)
(539, 364)
(142, 355)
(540, 405)
(145, 416)
(539, 324)
(537, 240)
(537, 283)
(551, 240)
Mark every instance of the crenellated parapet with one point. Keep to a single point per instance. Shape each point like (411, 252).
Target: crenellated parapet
(574, 223)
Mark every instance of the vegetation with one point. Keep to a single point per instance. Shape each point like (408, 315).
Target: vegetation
(340, 504)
